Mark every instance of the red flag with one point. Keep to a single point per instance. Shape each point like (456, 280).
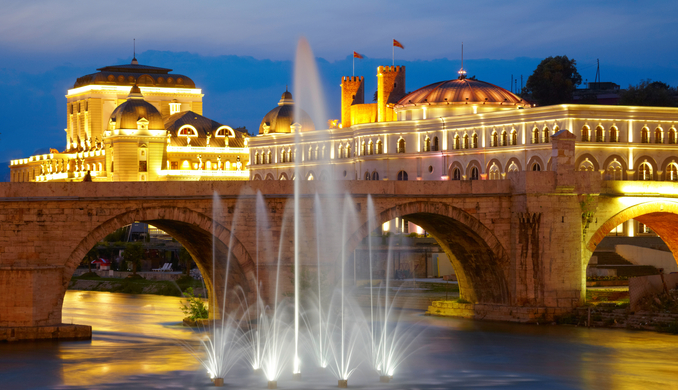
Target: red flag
(398, 44)
(356, 55)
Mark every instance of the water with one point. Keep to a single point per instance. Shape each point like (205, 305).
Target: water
(134, 347)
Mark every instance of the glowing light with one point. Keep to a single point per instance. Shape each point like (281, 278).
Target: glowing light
(125, 90)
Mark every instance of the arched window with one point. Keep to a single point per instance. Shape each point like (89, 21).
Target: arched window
(427, 144)
(672, 172)
(645, 136)
(586, 165)
(456, 174)
(256, 158)
(672, 135)
(187, 132)
(310, 176)
(435, 144)
(363, 148)
(465, 141)
(474, 141)
(310, 153)
(494, 172)
(323, 156)
(402, 176)
(367, 176)
(658, 136)
(456, 141)
(546, 135)
(645, 171)
(340, 154)
(375, 175)
(495, 139)
(315, 152)
(268, 157)
(475, 174)
(380, 147)
(614, 134)
(600, 134)
(585, 134)
(535, 136)
(283, 156)
(504, 138)
(614, 170)
(514, 137)
(225, 132)
(348, 150)
(401, 146)
(536, 167)
(370, 148)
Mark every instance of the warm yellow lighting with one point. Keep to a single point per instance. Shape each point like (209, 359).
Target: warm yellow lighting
(125, 90)
(212, 173)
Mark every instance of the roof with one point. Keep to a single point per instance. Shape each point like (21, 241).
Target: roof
(130, 74)
(460, 91)
(128, 113)
(279, 119)
(204, 126)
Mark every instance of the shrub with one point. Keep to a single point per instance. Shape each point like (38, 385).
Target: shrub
(193, 307)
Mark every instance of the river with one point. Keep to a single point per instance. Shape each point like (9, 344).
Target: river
(135, 345)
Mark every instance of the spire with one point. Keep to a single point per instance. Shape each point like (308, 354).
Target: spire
(462, 72)
(134, 58)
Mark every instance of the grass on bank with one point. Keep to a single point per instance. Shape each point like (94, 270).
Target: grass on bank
(139, 284)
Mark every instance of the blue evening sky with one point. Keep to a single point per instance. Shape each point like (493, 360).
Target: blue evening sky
(240, 52)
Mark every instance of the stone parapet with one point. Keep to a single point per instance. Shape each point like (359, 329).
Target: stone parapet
(490, 312)
(56, 332)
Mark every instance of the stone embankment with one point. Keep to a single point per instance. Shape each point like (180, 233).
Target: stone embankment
(137, 286)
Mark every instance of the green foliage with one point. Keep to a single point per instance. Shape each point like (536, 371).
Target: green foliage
(193, 307)
(185, 259)
(554, 81)
(117, 236)
(649, 93)
(134, 252)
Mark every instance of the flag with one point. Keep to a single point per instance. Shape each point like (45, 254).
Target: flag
(356, 55)
(398, 44)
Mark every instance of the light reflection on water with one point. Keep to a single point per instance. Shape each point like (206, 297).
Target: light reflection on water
(134, 346)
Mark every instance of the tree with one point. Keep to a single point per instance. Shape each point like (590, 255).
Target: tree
(185, 259)
(649, 93)
(554, 81)
(134, 252)
(92, 255)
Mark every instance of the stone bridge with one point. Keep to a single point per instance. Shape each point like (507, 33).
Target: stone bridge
(519, 246)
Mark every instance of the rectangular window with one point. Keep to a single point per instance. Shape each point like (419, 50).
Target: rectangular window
(143, 166)
(174, 165)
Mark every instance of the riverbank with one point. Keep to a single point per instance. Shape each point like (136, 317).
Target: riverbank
(172, 288)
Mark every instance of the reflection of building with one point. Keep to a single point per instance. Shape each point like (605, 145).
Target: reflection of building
(138, 123)
(466, 129)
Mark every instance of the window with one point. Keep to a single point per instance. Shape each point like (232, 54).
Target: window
(224, 132)
(586, 166)
(535, 136)
(474, 141)
(614, 134)
(283, 157)
(547, 135)
(475, 173)
(142, 166)
(348, 151)
(187, 132)
(256, 158)
(536, 167)
(268, 157)
(495, 139)
(456, 141)
(375, 175)
(643, 229)
(174, 165)
(367, 176)
(401, 146)
(310, 153)
(645, 136)
(380, 147)
(504, 138)
(427, 144)
(435, 144)
(600, 134)
(364, 148)
(585, 134)
(465, 141)
(341, 151)
(614, 170)
(456, 174)
(370, 148)
(112, 166)
(514, 137)
(645, 171)
(658, 136)
(323, 156)
(402, 176)
(672, 172)
(494, 172)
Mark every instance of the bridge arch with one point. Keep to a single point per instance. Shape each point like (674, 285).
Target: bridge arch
(195, 231)
(478, 257)
(660, 215)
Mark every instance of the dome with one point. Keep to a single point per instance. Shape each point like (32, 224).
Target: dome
(126, 115)
(279, 119)
(134, 73)
(460, 91)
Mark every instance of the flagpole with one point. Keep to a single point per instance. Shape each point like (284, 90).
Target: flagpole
(354, 65)
(393, 49)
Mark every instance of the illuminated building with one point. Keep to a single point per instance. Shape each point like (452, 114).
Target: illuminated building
(138, 123)
(466, 129)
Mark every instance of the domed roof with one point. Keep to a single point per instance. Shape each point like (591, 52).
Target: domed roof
(130, 74)
(460, 91)
(279, 119)
(128, 113)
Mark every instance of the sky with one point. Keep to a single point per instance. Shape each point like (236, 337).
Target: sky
(241, 52)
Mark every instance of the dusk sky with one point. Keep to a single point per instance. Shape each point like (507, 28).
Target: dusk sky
(240, 53)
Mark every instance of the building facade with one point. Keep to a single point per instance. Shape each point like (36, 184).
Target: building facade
(138, 123)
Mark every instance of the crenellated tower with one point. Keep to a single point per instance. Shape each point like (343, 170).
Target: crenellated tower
(390, 88)
(352, 92)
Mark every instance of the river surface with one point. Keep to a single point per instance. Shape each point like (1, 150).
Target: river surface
(135, 345)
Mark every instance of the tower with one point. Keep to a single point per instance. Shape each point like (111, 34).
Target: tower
(390, 88)
(352, 92)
